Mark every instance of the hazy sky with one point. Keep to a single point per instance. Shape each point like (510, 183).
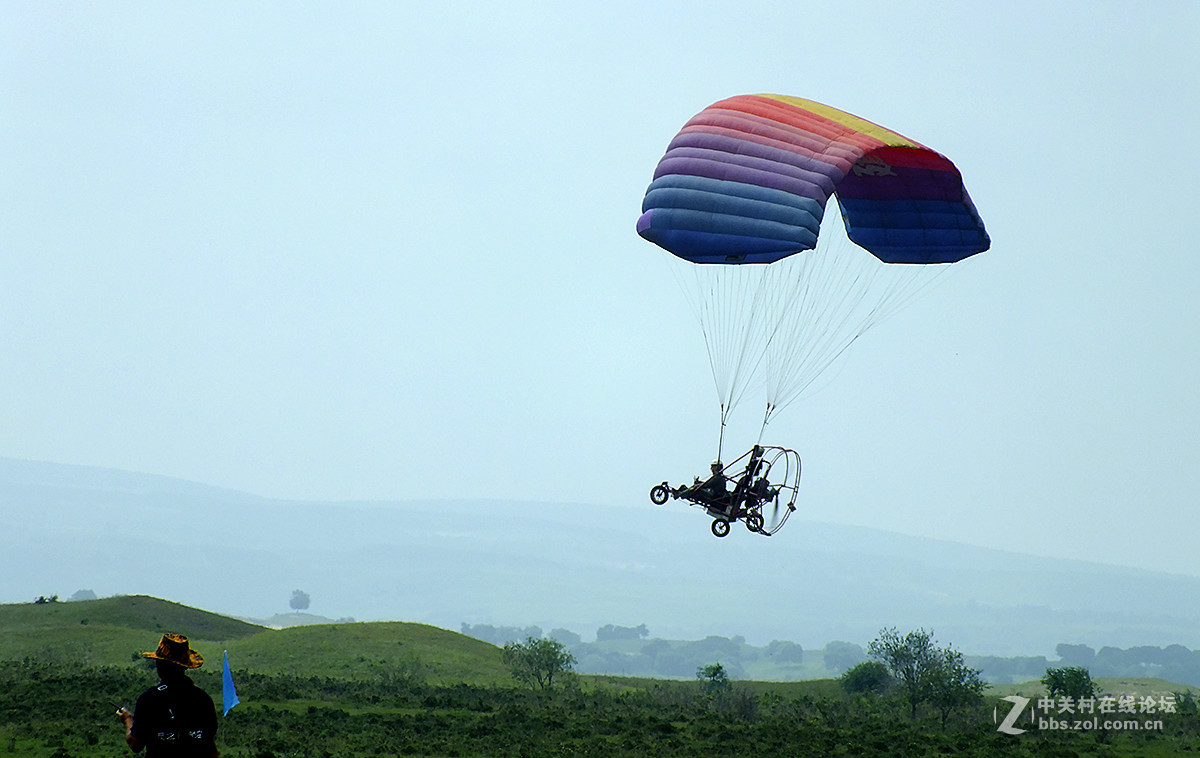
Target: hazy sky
(387, 251)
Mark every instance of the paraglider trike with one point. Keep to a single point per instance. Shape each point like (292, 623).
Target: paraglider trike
(765, 482)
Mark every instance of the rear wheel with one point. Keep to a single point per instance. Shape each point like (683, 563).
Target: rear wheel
(754, 522)
(720, 527)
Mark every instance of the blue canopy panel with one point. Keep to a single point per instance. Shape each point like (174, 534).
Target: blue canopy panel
(915, 231)
(706, 220)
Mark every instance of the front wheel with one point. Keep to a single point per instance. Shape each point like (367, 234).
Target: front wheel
(658, 494)
(720, 527)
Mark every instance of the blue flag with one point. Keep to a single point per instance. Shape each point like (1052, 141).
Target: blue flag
(228, 691)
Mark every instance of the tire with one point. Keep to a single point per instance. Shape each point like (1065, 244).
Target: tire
(754, 522)
(658, 494)
(720, 528)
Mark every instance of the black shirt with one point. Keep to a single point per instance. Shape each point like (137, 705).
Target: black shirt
(176, 720)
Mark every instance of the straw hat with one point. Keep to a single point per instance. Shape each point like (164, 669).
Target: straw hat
(174, 648)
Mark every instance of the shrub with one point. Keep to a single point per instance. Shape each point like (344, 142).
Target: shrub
(868, 678)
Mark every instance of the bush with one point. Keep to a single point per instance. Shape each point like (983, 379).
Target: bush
(1074, 682)
(867, 678)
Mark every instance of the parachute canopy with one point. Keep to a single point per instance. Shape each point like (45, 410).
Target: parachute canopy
(747, 180)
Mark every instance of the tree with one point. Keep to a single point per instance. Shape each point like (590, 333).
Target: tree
(1075, 655)
(537, 662)
(868, 677)
(713, 678)
(926, 672)
(840, 656)
(565, 636)
(613, 632)
(1074, 682)
(1181, 665)
(782, 651)
(299, 601)
(953, 684)
(910, 659)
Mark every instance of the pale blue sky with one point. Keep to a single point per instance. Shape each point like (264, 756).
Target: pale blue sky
(387, 251)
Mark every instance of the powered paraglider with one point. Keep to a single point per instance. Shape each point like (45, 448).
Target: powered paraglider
(781, 290)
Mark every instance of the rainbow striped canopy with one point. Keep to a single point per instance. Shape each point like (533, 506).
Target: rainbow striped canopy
(746, 181)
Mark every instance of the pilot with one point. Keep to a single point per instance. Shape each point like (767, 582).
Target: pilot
(716, 488)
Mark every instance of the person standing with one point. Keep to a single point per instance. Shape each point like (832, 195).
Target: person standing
(175, 718)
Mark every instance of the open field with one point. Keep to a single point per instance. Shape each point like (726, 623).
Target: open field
(410, 689)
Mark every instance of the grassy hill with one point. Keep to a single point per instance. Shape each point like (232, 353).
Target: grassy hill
(370, 650)
(112, 631)
(134, 612)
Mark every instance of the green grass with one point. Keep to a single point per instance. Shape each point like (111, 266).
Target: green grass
(111, 631)
(366, 649)
(1136, 686)
(133, 612)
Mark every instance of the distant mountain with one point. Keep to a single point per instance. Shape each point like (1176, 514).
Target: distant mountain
(285, 620)
(559, 565)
